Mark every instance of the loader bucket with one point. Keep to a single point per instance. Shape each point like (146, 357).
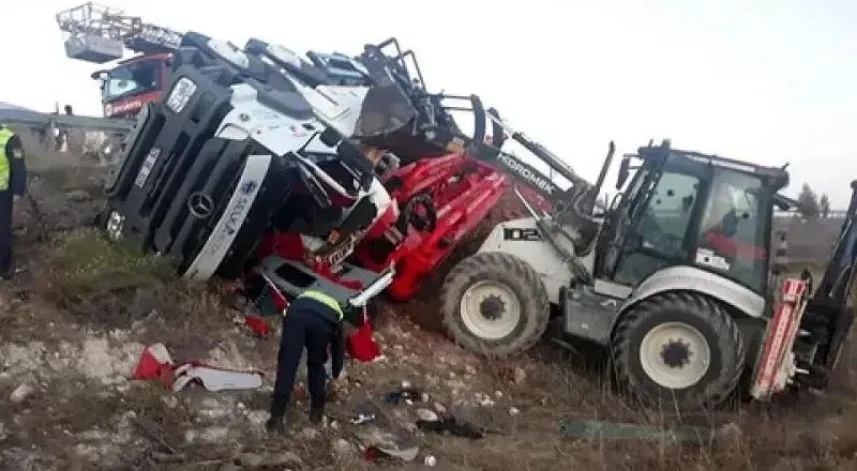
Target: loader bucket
(385, 110)
(387, 107)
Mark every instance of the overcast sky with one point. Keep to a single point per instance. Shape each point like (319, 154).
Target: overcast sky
(770, 81)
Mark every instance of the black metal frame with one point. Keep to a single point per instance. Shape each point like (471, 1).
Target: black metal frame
(830, 311)
(436, 126)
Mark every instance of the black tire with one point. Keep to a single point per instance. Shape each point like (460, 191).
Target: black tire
(518, 277)
(719, 330)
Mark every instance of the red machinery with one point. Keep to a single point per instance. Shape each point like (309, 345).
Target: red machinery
(436, 203)
(443, 200)
(448, 186)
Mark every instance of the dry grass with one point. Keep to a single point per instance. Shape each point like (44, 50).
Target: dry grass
(748, 438)
(88, 263)
(104, 286)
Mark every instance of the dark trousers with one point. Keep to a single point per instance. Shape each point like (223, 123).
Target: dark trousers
(7, 266)
(301, 330)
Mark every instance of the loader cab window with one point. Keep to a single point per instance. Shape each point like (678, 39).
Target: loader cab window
(734, 229)
(663, 221)
(666, 217)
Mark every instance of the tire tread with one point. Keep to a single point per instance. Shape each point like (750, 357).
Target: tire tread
(729, 340)
(513, 271)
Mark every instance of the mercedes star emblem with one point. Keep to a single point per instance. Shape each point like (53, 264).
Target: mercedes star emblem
(200, 205)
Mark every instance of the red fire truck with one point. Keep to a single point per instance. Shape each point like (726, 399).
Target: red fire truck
(99, 34)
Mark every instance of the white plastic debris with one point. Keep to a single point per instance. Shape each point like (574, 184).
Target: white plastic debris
(427, 415)
(21, 393)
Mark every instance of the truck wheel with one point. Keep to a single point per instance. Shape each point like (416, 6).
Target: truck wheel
(679, 347)
(494, 304)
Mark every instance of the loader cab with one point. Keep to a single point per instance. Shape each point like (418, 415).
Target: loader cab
(686, 208)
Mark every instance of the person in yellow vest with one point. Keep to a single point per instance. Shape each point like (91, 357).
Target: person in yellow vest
(312, 321)
(13, 185)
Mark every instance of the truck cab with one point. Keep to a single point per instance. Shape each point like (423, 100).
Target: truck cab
(133, 83)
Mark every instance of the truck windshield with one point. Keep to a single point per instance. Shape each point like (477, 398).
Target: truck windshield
(131, 79)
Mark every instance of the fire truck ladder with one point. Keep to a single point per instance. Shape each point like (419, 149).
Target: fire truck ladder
(100, 34)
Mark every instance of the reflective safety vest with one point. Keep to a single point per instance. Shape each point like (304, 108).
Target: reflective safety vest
(325, 299)
(5, 164)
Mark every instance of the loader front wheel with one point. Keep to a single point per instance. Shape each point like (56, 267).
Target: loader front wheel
(678, 348)
(494, 304)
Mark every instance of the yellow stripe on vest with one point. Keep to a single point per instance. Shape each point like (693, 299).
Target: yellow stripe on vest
(324, 298)
(5, 168)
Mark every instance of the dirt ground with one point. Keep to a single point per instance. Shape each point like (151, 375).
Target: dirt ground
(75, 321)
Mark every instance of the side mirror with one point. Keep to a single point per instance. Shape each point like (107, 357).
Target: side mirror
(624, 171)
(99, 75)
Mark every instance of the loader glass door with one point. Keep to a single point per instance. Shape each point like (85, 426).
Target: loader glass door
(663, 222)
(735, 229)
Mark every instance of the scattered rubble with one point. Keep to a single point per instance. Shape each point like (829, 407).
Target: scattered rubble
(341, 448)
(427, 415)
(520, 375)
(21, 393)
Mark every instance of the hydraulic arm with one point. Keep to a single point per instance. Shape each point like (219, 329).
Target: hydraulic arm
(837, 283)
(831, 310)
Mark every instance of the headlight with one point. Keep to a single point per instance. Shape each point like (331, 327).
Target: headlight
(181, 93)
(115, 224)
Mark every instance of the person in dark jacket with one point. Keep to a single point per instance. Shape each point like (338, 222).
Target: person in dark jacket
(312, 321)
(13, 185)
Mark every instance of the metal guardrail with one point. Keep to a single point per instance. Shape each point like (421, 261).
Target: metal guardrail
(833, 213)
(62, 121)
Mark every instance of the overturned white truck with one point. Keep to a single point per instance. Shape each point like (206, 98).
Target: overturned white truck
(223, 155)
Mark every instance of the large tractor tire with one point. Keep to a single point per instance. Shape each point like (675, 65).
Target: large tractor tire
(494, 304)
(678, 348)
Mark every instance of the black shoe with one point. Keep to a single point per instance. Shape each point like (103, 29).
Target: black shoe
(316, 416)
(9, 273)
(276, 425)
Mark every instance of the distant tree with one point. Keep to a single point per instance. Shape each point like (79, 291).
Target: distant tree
(808, 202)
(824, 205)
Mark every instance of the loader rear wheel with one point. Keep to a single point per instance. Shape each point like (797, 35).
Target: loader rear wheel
(680, 348)
(494, 304)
